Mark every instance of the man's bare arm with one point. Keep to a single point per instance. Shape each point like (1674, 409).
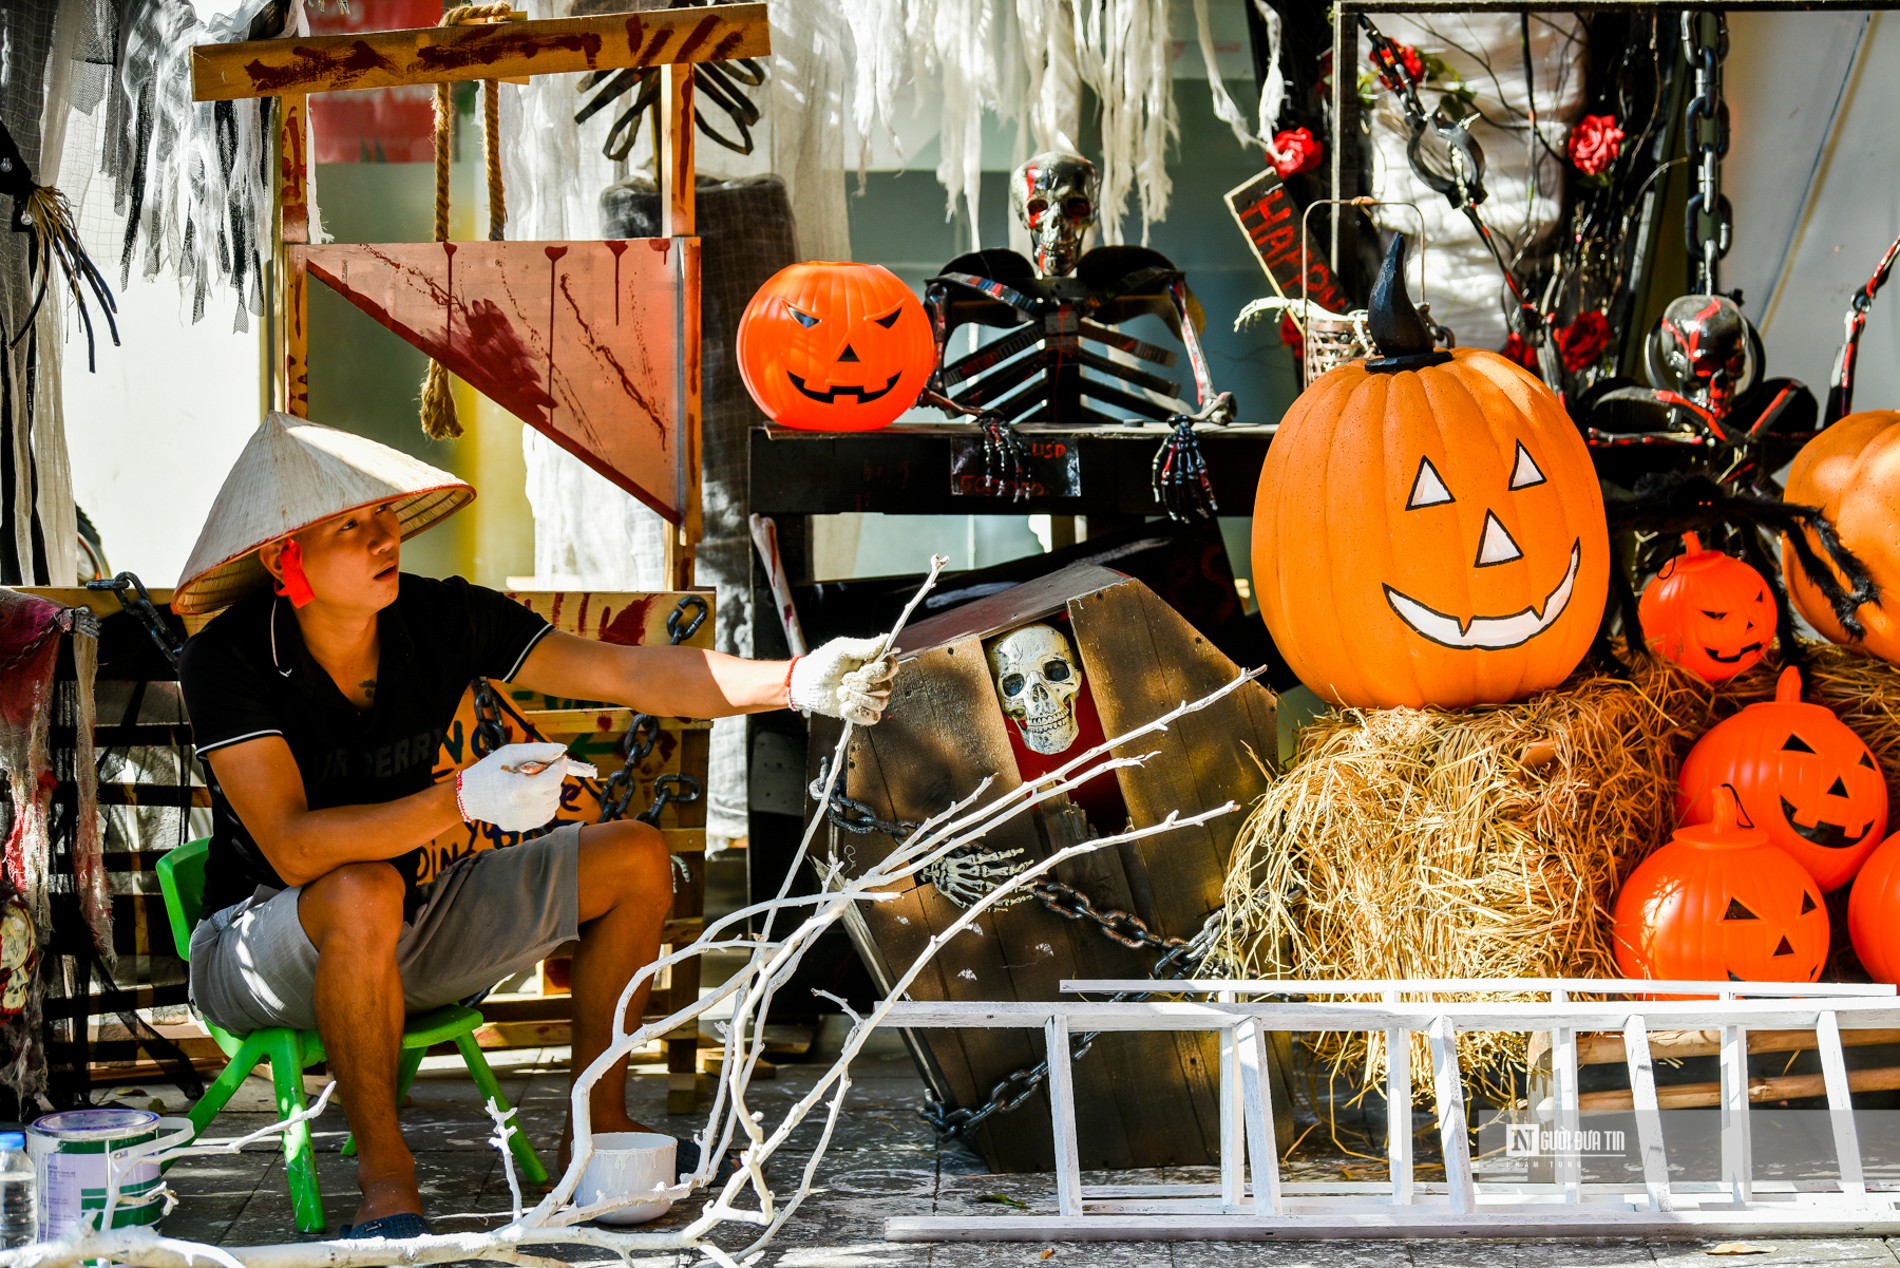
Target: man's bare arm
(262, 783)
(668, 682)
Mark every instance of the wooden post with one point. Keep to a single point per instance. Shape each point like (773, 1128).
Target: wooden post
(1737, 1160)
(1256, 1088)
(1061, 1087)
(1450, 1091)
(292, 360)
(1233, 1120)
(1840, 1104)
(1398, 1109)
(677, 220)
(1568, 1118)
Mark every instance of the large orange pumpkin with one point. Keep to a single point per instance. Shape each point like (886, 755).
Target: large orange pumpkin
(1708, 612)
(1428, 527)
(1802, 776)
(1852, 472)
(835, 347)
(1718, 903)
(1873, 913)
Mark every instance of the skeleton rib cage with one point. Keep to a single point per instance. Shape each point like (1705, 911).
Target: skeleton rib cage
(1044, 369)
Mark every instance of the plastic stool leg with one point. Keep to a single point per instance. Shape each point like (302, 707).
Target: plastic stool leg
(300, 1163)
(486, 1083)
(219, 1094)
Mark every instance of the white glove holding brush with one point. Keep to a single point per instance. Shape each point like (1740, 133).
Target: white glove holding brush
(517, 787)
(846, 678)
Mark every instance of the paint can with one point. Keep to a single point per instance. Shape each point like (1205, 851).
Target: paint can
(70, 1150)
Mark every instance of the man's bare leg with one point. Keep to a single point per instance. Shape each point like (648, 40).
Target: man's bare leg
(626, 891)
(353, 916)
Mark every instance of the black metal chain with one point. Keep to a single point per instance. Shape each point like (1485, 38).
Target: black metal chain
(1708, 222)
(1019, 1085)
(139, 603)
(616, 792)
(489, 733)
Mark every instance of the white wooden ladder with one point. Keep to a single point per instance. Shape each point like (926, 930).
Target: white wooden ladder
(1253, 1200)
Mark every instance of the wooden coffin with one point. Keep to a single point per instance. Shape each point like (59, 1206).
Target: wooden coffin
(1141, 1100)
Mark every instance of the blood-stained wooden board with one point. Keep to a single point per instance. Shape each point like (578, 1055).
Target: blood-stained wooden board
(504, 50)
(580, 340)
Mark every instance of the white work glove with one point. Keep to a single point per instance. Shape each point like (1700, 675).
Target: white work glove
(498, 790)
(846, 678)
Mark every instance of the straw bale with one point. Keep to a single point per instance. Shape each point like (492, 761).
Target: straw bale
(1486, 843)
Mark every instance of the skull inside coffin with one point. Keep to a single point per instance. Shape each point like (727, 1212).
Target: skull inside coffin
(1004, 690)
(1037, 678)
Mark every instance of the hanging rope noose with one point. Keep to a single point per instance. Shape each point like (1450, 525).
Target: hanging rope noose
(438, 405)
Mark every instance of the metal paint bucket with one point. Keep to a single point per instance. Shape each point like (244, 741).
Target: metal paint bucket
(69, 1151)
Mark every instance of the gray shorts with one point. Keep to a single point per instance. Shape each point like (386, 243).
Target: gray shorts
(487, 917)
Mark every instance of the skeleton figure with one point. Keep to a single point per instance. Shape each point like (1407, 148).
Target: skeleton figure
(1037, 679)
(1706, 394)
(1053, 195)
(1041, 370)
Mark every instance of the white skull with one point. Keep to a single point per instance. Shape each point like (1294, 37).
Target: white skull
(1037, 676)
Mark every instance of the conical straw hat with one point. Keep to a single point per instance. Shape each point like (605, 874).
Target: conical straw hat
(294, 473)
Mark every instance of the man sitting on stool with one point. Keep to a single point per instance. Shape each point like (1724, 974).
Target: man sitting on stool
(319, 710)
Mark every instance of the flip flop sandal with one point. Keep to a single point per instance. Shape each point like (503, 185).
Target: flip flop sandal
(404, 1224)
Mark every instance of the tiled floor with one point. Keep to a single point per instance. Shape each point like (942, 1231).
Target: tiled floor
(883, 1161)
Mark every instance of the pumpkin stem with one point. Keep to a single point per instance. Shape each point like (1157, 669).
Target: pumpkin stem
(1403, 339)
(1691, 543)
(1788, 686)
(1728, 811)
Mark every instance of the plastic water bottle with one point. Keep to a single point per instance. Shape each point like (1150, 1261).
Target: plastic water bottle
(19, 1214)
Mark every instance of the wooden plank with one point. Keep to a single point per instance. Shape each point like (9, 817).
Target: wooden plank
(1761, 1089)
(290, 359)
(1675, 1045)
(1233, 1123)
(581, 340)
(1256, 1088)
(1450, 1097)
(1062, 1118)
(692, 526)
(1648, 1119)
(677, 219)
(1840, 1106)
(1737, 1150)
(1563, 1049)
(447, 54)
(1398, 1110)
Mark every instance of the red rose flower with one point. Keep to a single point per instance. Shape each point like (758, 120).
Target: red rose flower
(1297, 150)
(1291, 337)
(1595, 142)
(1583, 340)
(1518, 350)
(1408, 57)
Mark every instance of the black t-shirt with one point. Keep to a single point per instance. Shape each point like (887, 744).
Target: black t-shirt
(247, 674)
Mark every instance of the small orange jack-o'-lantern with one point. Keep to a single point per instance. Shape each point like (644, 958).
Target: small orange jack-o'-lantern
(1718, 903)
(1709, 612)
(1801, 776)
(1873, 913)
(835, 347)
(1428, 527)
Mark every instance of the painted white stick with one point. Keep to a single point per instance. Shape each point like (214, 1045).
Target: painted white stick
(1840, 1104)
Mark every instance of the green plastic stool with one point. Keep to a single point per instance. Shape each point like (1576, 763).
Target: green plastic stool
(181, 875)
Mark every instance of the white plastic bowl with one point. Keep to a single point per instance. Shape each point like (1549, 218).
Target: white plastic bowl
(626, 1165)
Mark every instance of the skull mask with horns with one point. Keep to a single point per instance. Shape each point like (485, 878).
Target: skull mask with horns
(1037, 678)
(1053, 195)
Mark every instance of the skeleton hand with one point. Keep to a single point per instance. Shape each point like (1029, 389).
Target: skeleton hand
(964, 878)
